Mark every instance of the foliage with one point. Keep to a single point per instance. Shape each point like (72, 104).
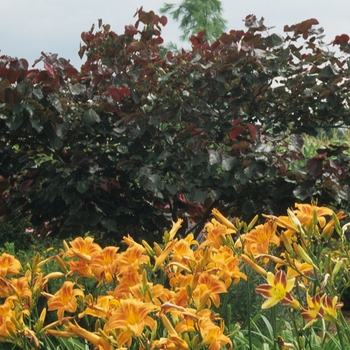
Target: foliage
(338, 137)
(134, 139)
(178, 294)
(16, 233)
(197, 16)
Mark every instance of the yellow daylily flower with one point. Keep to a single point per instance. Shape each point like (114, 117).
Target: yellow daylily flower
(314, 309)
(331, 307)
(277, 290)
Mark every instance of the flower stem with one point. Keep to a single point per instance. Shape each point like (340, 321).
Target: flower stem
(248, 311)
(274, 325)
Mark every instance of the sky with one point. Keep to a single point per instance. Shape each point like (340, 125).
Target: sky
(29, 27)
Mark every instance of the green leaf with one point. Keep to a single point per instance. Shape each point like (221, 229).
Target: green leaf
(228, 163)
(200, 195)
(221, 88)
(172, 189)
(214, 156)
(273, 40)
(82, 186)
(90, 117)
(14, 122)
(122, 149)
(37, 93)
(77, 89)
(55, 142)
(109, 224)
(36, 123)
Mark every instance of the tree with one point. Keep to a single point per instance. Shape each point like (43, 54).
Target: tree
(196, 16)
(134, 140)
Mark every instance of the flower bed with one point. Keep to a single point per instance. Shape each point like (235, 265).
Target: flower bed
(180, 294)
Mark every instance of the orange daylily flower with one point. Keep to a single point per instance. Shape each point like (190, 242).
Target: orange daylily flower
(9, 265)
(258, 240)
(6, 313)
(182, 252)
(64, 299)
(129, 278)
(212, 334)
(328, 229)
(132, 315)
(16, 288)
(172, 335)
(215, 233)
(151, 293)
(331, 307)
(104, 264)
(81, 267)
(277, 290)
(83, 249)
(227, 265)
(170, 343)
(134, 257)
(209, 285)
(305, 214)
(300, 268)
(101, 308)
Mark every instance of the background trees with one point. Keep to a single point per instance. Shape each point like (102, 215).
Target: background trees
(135, 139)
(196, 15)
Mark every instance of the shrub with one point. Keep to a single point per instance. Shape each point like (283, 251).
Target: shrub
(136, 138)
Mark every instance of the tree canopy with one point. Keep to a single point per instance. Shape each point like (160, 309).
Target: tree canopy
(196, 16)
(133, 139)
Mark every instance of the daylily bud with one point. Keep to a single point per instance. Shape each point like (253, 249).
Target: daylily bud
(157, 249)
(252, 223)
(222, 219)
(253, 265)
(286, 243)
(148, 248)
(175, 228)
(314, 218)
(301, 252)
(336, 269)
(65, 245)
(189, 290)
(203, 302)
(61, 264)
(36, 261)
(52, 275)
(168, 325)
(295, 221)
(337, 224)
(39, 324)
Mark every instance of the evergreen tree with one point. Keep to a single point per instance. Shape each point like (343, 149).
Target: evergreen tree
(198, 15)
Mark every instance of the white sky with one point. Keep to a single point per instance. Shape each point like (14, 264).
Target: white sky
(28, 27)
